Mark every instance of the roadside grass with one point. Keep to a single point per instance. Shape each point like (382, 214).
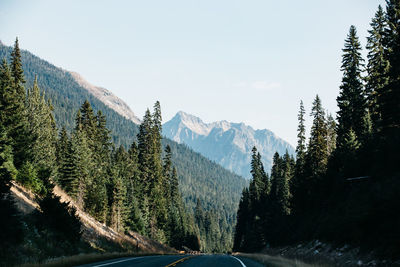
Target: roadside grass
(85, 259)
(277, 261)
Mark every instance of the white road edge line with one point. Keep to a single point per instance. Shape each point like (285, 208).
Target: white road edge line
(241, 262)
(114, 262)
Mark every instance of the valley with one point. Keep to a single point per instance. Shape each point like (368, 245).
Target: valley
(85, 181)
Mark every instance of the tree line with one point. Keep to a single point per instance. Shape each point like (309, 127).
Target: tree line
(343, 185)
(130, 190)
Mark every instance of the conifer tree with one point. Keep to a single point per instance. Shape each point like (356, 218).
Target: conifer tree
(68, 172)
(144, 151)
(275, 199)
(351, 146)
(351, 100)
(256, 187)
(135, 186)
(389, 97)
(7, 169)
(118, 189)
(276, 173)
(17, 71)
(61, 218)
(167, 173)
(12, 112)
(175, 195)
(157, 147)
(134, 220)
(17, 129)
(378, 65)
(301, 135)
(298, 180)
(82, 166)
(91, 148)
(151, 170)
(158, 201)
(157, 127)
(10, 222)
(62, 145)
(42, 130)
(331, 133)
(117, 205)
(78, 121)
(259, 190)
(241, 223)
(102, 138)
(283, 195)
(317, 152)
(177, 218)
(8, 107)
(88, 121)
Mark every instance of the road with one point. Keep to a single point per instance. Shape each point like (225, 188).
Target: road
(178, 261)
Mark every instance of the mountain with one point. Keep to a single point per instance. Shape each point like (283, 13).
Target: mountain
(67, 95)
(228, 144)
(217, 189)
(107, 97)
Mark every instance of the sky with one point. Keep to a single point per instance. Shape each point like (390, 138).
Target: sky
(248, 61)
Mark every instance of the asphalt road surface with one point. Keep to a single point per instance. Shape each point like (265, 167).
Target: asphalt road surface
(179, 261)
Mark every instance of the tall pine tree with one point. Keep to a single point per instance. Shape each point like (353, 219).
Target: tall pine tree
(378, 65)
(317, 152)
(351, 100)
(18, 127)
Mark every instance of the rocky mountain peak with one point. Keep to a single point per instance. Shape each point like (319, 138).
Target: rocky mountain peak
(227, 143)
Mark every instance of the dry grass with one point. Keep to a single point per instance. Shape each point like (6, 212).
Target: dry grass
(98, 242)
(24, 199)
(278, 261)
(83, 259)
(93, 229)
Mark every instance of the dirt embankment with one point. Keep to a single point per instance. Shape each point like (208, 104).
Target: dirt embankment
(93, 232)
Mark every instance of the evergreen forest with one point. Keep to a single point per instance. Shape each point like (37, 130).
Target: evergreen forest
(343, 185)
(129, 188)
(202, 183)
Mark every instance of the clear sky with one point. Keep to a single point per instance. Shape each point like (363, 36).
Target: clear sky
(245, 61)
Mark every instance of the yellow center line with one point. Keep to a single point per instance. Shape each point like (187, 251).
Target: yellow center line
(179, 261)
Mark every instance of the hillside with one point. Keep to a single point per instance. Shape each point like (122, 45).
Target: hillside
(67, 95)
(96, 237)
(199, 178)
(229, 144)
(107, 97)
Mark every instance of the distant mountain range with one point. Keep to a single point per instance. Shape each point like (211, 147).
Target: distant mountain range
(229, 144)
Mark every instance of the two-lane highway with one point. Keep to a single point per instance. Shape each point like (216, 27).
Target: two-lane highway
(179, 261)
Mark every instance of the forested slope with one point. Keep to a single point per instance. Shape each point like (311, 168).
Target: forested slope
(217, 189)
(67, 96)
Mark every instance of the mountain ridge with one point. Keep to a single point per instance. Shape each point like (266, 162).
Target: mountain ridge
(227, 143)
(107, 97)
